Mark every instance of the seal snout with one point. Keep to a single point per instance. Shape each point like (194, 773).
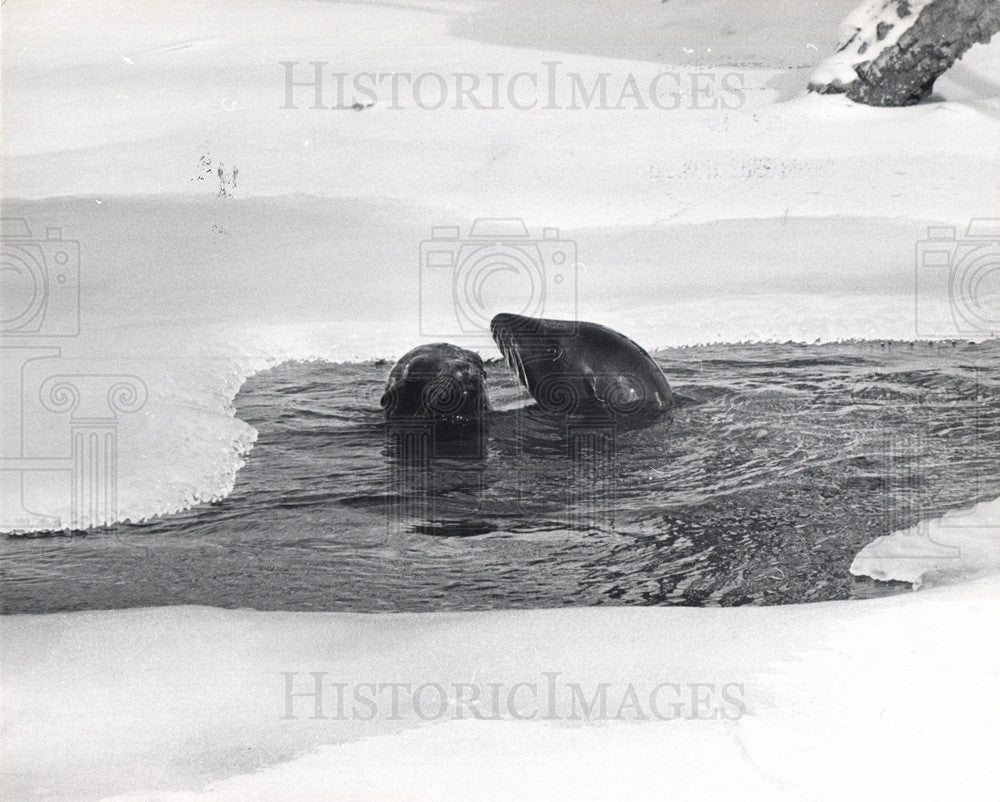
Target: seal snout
(465, 375)
(503, 319)
(511, 324)
(458, 389)
(506, 328)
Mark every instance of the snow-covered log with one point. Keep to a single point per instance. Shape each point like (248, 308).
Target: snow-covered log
(892, 51)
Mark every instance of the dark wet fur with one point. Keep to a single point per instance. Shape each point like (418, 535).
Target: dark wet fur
(575, 367)
(439, 381)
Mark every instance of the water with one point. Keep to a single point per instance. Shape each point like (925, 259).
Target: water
(780, 464)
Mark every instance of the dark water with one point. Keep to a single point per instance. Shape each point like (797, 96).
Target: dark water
(780, 465)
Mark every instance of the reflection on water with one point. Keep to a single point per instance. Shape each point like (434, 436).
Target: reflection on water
(780, 463)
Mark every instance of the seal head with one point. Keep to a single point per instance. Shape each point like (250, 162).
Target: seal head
(576, 367)
(440, 381)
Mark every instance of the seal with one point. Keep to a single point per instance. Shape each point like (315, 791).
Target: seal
(440, 381)
(576, 367)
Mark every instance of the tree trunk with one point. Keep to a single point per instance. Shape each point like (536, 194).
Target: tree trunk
(894, 50)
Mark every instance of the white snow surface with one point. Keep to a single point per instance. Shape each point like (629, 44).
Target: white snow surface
(789, 217)
(959, 545)
(891, 697)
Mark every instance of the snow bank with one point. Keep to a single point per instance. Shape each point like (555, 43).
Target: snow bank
(895, 696)
(957, 546)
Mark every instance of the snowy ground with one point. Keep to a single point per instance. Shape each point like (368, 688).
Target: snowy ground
(889, 698)
(784, 217)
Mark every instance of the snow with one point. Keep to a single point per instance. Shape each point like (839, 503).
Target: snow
(144, 128)
(790, 217)
(895, 696)
(959, 545)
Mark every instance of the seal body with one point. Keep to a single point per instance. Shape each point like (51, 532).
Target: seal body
(577, 367)
(439, 381)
